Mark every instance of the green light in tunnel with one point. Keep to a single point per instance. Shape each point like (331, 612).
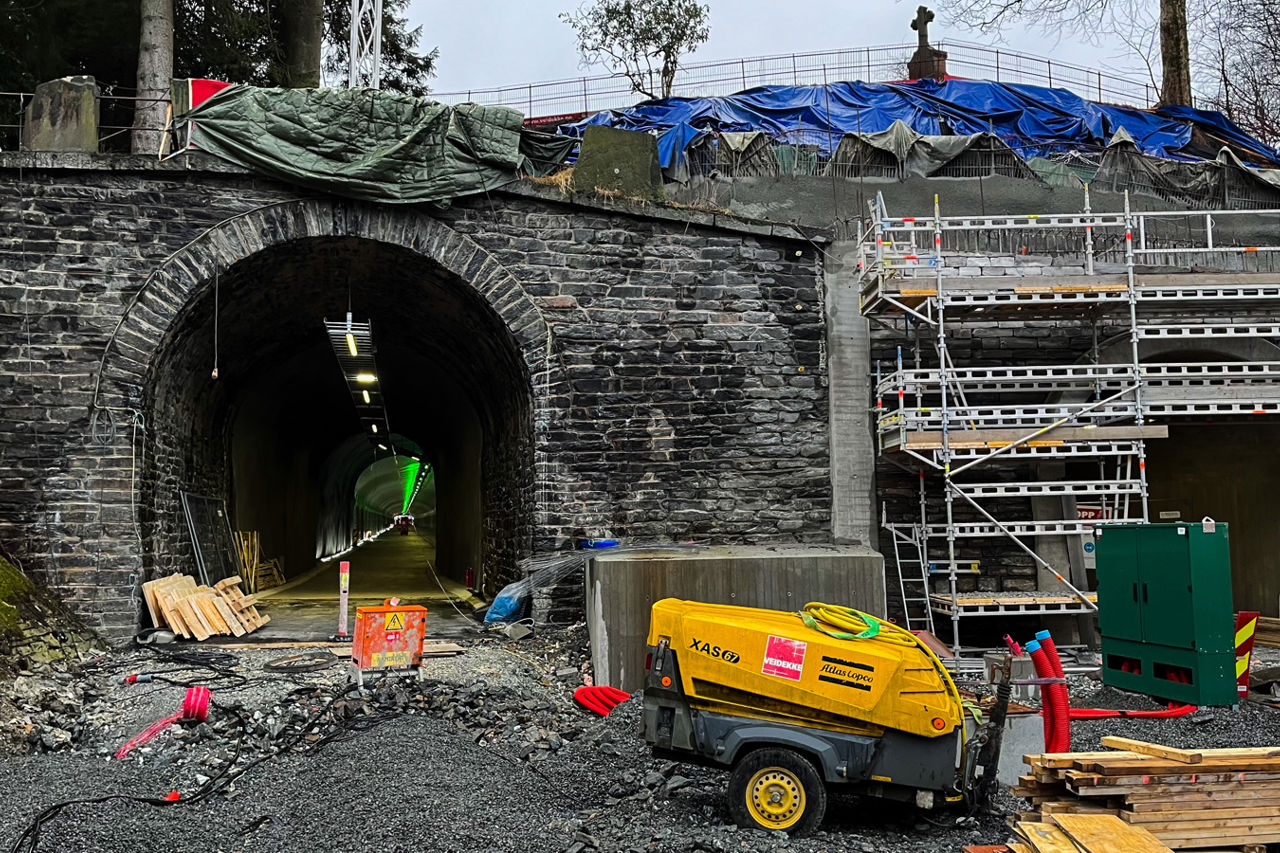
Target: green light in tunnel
(410, 480)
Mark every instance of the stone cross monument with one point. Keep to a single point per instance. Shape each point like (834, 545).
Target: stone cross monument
(927, 61)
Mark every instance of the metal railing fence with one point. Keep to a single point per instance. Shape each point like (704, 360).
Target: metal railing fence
(115, 120)
(573, 97)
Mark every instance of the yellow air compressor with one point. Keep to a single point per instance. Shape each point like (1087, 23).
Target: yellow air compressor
(793, 703)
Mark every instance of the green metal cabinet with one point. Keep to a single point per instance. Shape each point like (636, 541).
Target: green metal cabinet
(1164, 610)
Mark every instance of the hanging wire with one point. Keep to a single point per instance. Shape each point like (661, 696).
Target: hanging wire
(215, 322)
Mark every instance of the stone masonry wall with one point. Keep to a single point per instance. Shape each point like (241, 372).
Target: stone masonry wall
(681, 394)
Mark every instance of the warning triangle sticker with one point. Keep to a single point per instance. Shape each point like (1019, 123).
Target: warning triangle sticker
(395, 622)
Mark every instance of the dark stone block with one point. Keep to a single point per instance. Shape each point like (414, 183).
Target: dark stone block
(621, 161)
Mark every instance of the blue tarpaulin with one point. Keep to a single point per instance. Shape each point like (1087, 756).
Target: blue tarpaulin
(1033, 120)
(674, 140)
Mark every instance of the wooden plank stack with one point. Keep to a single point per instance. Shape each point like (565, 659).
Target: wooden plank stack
(1185, 798)
(258, 574)
(1084, 833)
(1268, 631)
(201, 612)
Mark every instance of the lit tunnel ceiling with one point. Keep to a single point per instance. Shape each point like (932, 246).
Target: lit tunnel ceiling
(396, 484)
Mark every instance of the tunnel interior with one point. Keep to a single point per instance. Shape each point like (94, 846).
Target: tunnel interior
(277, 434)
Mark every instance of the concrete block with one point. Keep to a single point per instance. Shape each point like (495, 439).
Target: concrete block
(622, 587)
(1023, 735)
(62, 116)
(620, 161)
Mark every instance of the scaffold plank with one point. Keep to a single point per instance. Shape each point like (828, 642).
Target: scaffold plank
(993, 438)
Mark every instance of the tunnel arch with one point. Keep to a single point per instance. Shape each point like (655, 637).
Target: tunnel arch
(156, 349)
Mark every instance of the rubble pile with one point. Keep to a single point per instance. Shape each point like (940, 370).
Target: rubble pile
(42, 645)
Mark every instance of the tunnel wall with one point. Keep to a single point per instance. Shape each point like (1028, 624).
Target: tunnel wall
(675, 358)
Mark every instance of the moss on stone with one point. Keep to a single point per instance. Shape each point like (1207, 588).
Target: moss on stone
(14, 586)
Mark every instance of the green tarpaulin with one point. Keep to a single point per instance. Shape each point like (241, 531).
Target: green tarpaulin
(362, 143)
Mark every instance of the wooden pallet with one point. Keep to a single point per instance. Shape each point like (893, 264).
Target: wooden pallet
(1185, 798)
(201, 612)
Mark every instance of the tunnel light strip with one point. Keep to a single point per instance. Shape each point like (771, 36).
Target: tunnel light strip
(352, 345)
(345, 551)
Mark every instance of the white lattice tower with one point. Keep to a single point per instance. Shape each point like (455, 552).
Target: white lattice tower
(366, 44)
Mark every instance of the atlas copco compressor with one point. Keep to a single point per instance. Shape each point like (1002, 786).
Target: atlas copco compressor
(791, 703)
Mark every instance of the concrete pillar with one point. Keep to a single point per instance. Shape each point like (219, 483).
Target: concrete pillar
(62, 116)
(1064, 553)
(853, 457)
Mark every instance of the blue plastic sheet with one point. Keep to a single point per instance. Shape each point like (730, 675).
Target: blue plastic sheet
(674, 141)
(1033, 120)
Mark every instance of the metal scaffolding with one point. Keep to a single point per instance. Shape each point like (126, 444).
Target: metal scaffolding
(984, 437)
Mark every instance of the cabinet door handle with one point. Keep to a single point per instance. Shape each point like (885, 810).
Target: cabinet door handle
(1135, 592)
(1144, 593)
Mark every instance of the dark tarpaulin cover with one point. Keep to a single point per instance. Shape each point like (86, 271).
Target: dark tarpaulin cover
(1033, 120)
(544, 153)
(362, 143)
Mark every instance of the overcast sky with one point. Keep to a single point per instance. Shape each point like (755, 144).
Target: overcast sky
(507, 42)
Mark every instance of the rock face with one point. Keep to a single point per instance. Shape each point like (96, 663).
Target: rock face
(672, 361)
(41, 646)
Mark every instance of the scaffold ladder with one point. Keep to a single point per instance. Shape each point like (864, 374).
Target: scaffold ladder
(913, 577)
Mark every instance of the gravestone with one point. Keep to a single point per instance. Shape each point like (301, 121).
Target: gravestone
(62, 116)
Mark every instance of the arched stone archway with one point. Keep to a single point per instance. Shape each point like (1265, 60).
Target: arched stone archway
(148, 360)
(184, 275)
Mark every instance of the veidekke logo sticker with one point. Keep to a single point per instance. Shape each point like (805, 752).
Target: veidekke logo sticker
(784, 657)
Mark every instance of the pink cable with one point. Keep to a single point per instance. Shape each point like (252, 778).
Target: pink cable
(195, 708)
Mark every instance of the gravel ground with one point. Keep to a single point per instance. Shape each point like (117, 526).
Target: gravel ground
(486, 753)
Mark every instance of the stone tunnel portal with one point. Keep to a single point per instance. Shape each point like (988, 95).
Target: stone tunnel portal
(277, 433)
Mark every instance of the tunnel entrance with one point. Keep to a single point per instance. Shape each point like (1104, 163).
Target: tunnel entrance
(277, 435)
(1227, 471)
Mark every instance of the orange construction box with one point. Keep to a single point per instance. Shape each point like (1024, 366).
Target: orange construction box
(389, 637)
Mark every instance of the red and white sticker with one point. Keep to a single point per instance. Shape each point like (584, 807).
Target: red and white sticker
(784, 657)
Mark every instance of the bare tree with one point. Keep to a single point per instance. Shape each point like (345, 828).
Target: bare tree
(1238, 54)
(155, 72)
(642, 39)
(1091, 19)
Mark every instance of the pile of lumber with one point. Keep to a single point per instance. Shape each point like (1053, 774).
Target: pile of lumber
(1185, 798)
(258, 574)
(1268, 632)
(201, 612)
(1083, 833)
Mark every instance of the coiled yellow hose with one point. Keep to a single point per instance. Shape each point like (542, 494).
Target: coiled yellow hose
(845, 623)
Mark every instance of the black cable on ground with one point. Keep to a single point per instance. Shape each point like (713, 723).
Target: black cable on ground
(341, 729)
(30, 837)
